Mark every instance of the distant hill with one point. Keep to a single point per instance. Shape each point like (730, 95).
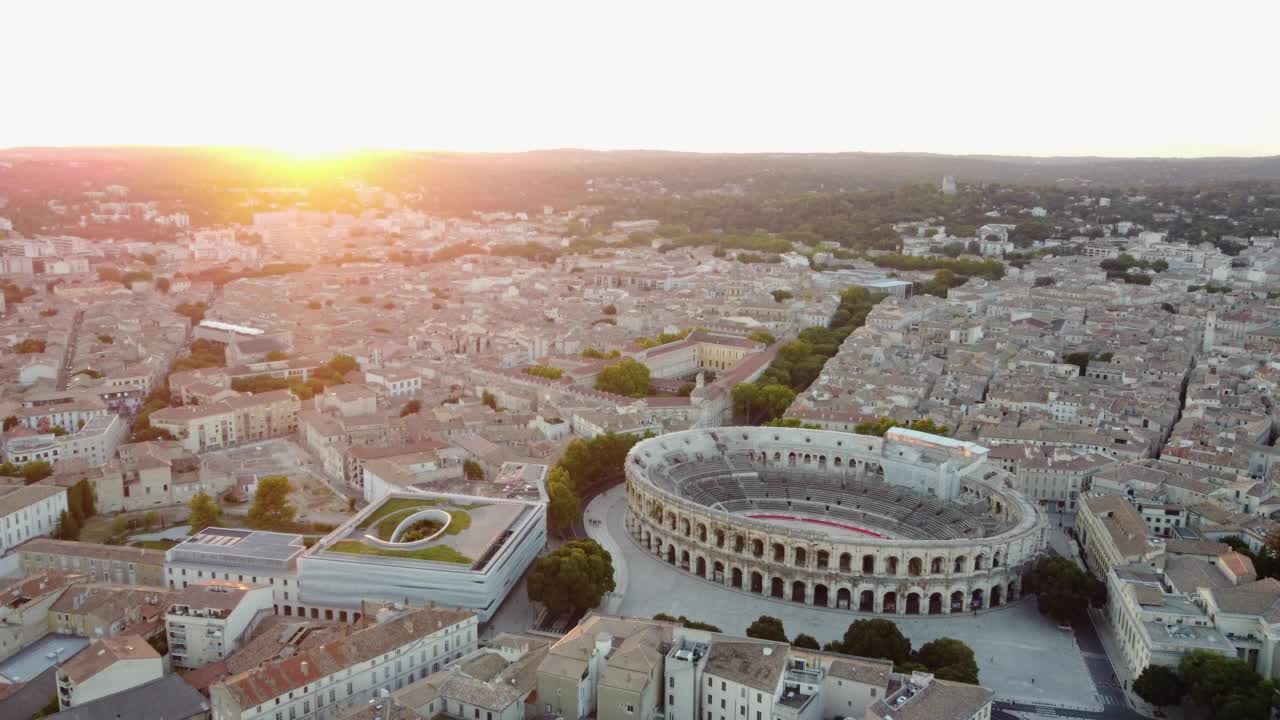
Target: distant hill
(464, 182)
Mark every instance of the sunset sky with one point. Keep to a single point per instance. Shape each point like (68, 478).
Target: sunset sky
(1125, 77)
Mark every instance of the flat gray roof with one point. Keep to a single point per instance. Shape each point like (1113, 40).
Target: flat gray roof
(34, 658)
(238, 548)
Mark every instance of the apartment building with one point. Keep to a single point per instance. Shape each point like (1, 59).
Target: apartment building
(107, 666)
(210, 620)
(27, 511)
(92, 444)
(1113, 533)
(1053, 477)
(115, 564)
(1195, 602)
(245, 418)
(397, 649)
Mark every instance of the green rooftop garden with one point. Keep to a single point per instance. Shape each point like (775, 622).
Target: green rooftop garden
(435, 553)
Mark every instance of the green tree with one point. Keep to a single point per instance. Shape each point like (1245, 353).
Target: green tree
(1225, 687)
(780, 295)
(340, 365)
(774, 401)
(151, 520)
(1063, 590)
(68, 527)
(119, 526)
(1160, 685)
(876, 638)
(271, 509)
(413, 407)
(564, 506)
(627, 377)
(761, 336)
(610, 310)
(10, 422)
(163, 284)
(35, 471)
(571, 579)
(807, 642)
(275, 355)
(544, 371)
(472, 470)
(950, 659)
(204, 512)
(1046, 281)
(767, 627)
(489, 399)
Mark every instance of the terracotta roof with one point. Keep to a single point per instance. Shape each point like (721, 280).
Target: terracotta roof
(102, 654)
(278, 677)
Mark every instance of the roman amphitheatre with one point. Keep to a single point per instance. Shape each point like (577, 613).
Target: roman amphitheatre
(907, 524)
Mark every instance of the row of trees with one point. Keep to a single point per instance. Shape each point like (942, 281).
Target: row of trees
(799, 362)
(585, 465)
(989, 269)
(946, 658)
(884, 424)
(30, 472)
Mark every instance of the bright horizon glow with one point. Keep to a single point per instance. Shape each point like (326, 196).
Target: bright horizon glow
(314, 79)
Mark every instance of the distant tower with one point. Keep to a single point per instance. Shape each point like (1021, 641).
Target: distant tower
(1210, 330)
(949, 185)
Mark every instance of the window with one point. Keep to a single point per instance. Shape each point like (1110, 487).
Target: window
(671, 682)
(708, 682)
(348, 689)
(671, 700)
(723, 686)
(742, 710)
(721, 703)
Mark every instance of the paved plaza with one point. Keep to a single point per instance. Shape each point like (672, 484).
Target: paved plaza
(1021, 656)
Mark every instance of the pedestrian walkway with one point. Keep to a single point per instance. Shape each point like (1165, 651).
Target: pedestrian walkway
(1120, 668)
(597, 529)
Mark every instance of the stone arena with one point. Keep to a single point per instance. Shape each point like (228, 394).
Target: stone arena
(911, 523)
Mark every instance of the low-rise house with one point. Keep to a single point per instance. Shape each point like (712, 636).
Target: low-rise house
(107, 666)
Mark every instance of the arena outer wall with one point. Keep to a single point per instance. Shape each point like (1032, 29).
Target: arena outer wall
(879, 575)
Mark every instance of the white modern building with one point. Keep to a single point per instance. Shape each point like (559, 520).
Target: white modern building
(473, 567)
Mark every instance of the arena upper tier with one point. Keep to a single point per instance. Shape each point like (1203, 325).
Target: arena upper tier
(906, 524)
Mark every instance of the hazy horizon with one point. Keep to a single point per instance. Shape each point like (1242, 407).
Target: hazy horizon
(1107, 80)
